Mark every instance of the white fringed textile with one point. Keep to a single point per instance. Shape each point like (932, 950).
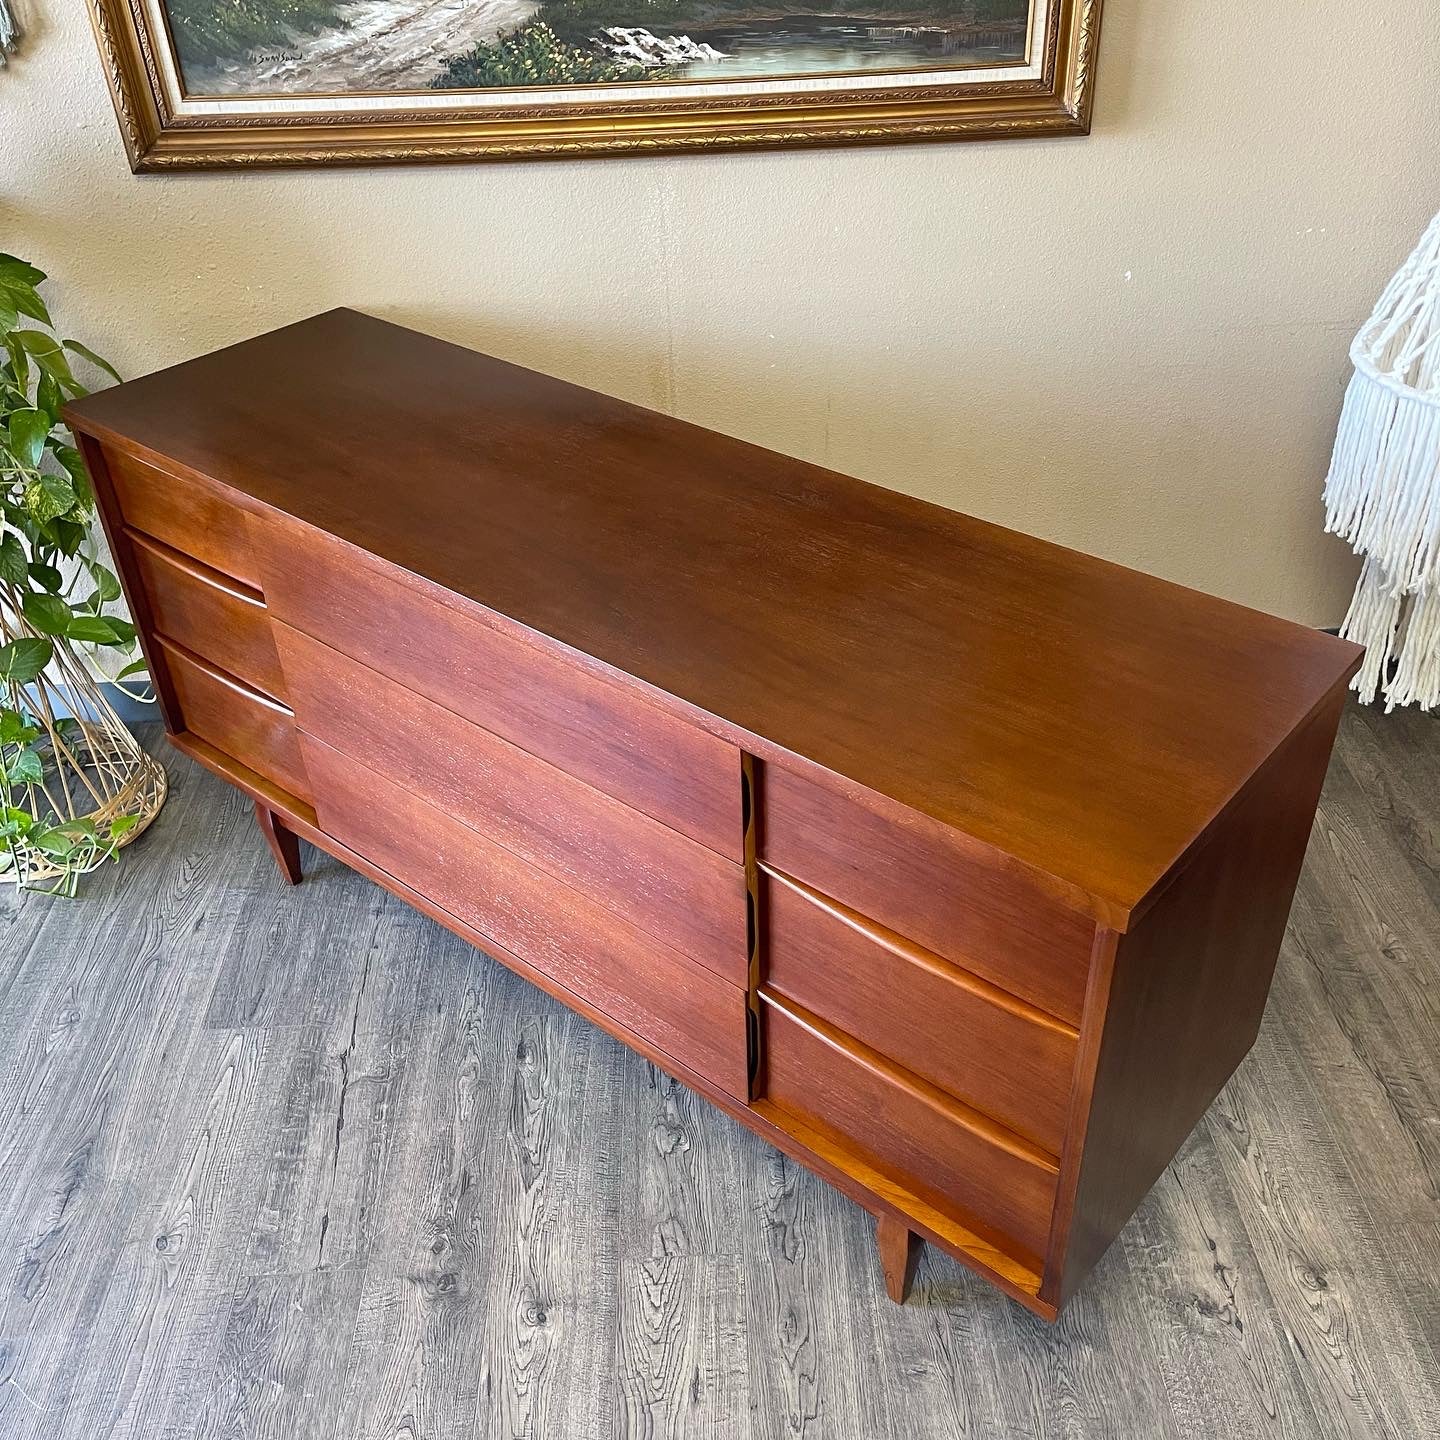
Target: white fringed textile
(9, 29)
(1383, 490)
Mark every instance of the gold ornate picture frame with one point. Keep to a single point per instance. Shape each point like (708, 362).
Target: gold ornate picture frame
(308, 82)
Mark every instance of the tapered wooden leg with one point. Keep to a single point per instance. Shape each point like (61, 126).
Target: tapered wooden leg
(284, 845)
(899, 1255)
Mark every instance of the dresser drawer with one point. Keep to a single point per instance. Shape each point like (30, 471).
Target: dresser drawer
(251, 727)
(943, 1152)
(662, 881)
(643, 985)
(998, 1054)
(543, 701)
(927, 883)
(195, 516)
(209, 614)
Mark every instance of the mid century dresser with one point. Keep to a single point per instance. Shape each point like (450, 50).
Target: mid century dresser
(952, 862)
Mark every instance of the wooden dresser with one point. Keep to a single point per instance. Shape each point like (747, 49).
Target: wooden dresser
(952, 862)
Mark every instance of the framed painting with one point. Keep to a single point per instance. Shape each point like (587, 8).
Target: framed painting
(212, 83)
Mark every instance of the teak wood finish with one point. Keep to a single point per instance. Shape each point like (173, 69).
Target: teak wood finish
(952, 862)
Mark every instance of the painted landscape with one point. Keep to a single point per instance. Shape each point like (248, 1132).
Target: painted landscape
(278, 47)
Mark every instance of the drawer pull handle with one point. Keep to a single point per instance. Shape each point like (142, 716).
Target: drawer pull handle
(197, 570)
(918, 955)
(224, 677)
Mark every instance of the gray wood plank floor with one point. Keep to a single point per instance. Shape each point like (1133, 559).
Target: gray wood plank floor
(300, 1163)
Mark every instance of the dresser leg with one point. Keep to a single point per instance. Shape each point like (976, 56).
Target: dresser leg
(899, 1255)
(284, 845)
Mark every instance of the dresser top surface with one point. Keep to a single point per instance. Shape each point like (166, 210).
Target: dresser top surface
(1090, 720)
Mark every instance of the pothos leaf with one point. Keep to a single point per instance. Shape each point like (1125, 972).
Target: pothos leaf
(101, 630)
(19, 295)
(47, 577)
(48, 497)
(26, 432)
(96, 630)
(68, 535)
(25, 769)
(47, 353)
(19, 271)
(23, 659)
(74, 463)
(13, 569)
(107, 587)
(14, 822)
(19, 361)
(93, 358)
(49, 397)
(49, 614)
(15, 729)
(52, 840)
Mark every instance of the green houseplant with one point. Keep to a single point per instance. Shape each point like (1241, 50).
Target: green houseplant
(74, 784)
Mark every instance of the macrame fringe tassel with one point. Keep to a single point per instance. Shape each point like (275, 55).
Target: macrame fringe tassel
(1371, 621)
(1416, 680)
(1383, 490)
(9, 29)
(1397, 630)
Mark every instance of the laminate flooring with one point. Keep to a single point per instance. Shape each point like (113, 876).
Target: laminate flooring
(299, 1163)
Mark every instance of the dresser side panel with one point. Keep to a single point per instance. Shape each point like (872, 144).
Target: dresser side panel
(1186, 997)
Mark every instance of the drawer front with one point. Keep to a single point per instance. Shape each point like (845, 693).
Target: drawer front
(948, 1156)
(209, 614)
(194, 516)
(998, 1054)
(661, 881)
(544, 702)
(643, 985)
(251, 727)
(923, 881)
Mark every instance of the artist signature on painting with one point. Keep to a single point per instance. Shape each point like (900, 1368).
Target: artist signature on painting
(273, 54)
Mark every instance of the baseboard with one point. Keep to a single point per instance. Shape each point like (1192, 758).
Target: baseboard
(130, 710)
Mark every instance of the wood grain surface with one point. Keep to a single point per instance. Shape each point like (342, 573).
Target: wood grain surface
(209, 613)
(1185, 998)
(958, 1159)
(193, 515)
(959, 1032)
(899, 1256)
(552, 705)
(1089, 721)
(923, 881)
(235, 718)
(635, 979)
(388, 1189)
(677, 889)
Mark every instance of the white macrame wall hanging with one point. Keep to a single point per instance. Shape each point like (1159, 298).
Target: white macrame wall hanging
(9, 29)
(1383, 491)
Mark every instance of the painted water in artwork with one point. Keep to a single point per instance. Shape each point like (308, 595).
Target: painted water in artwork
(279, 47)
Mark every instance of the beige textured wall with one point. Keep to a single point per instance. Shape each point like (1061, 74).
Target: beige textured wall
(1133, 343)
